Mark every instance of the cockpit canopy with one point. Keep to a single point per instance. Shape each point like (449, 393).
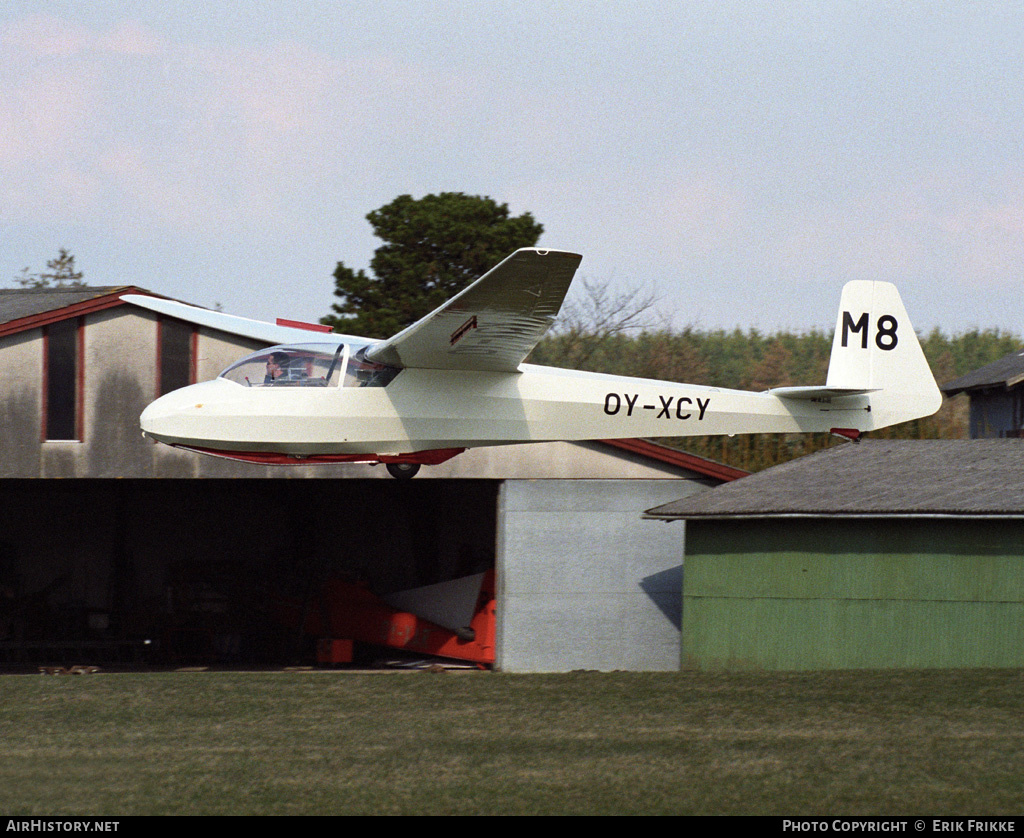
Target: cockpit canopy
(309, 365)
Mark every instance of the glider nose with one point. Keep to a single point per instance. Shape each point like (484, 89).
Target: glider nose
(175, 417)
(154, 417)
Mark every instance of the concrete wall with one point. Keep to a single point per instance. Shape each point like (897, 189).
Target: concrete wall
(119, 380)
(583, 582)
(853, 594)
(21, 368)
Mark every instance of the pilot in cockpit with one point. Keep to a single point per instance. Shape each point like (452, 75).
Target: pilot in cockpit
(277, 367)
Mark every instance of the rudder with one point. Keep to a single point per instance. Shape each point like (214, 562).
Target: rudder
(876, 349)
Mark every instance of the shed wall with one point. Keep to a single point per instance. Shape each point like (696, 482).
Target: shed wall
(993, 413)
(584, 583)
(809, 594)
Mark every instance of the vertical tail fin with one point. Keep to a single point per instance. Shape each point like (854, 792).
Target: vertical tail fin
(875, 348)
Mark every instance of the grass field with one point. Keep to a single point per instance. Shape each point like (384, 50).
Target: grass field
(482, 743)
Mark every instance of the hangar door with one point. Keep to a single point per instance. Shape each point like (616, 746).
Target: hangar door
(201, 571)
(585, 582)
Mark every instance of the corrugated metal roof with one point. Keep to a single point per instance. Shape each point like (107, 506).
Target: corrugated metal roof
(1006, 372)
(901, 478)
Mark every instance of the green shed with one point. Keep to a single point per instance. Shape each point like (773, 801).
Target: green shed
(881, 554)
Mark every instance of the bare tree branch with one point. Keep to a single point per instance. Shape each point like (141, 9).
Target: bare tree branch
(593, 309)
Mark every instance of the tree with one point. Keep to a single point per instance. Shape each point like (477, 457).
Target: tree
(433, 248)
(592, 320)
(62, 274)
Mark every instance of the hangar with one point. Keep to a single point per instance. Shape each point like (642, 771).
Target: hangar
(117, 550)
(882, 554)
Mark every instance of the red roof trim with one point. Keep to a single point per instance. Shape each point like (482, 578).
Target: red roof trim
(44, 318)
(681, 459)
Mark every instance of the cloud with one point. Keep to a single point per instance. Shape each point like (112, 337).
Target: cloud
(989, 240)
(941, 227)
(48, 35)
(247, 136)
(762, 152)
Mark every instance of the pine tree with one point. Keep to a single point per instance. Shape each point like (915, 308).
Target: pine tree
(61, 274)
(433, 248)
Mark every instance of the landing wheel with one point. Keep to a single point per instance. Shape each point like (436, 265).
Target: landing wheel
(403, 471)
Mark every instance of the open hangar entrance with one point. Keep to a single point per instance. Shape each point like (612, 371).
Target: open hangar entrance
(229, 570)
(212, 571)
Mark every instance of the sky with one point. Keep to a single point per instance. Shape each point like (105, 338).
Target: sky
(739, 160)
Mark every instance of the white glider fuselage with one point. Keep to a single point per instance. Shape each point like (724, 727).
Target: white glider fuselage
(440, 409)
(455, 380)
(435, 409)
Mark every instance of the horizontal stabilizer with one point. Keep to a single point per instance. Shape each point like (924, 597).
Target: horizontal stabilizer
(808, 393)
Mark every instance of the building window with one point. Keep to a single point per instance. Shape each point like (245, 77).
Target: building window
(176, 362)
(63, 371)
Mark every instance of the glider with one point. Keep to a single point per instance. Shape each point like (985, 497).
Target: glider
(456, 379)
